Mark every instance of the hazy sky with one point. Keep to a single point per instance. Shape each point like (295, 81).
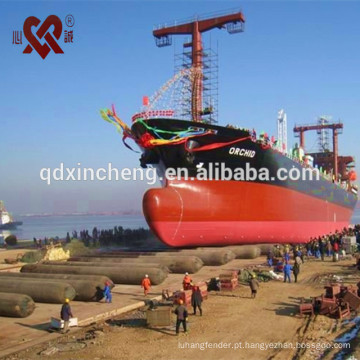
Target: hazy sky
(300, 56)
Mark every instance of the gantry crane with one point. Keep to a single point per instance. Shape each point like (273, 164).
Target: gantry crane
(334, 127)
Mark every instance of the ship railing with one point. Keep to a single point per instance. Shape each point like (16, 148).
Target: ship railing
(327, 177)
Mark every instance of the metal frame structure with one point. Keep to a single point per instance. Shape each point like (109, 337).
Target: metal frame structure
(334, 127)
(232, 22)
(323, 134)
(210, 94)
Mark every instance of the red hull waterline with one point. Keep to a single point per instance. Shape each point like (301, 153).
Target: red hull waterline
(218, 213)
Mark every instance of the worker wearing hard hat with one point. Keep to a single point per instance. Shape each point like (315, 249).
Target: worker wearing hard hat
(187, 281)
(65, 315)
(107, 292)
(181, 316)
(146, 284)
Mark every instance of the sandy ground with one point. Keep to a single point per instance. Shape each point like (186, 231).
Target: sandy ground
(248, 327)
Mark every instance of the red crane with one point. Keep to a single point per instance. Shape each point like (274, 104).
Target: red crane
(334, 128)
(233, 22)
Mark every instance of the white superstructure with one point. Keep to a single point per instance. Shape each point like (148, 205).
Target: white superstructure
(282, 130)
(5, 217)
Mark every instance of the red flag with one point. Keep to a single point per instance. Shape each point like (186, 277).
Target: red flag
(145, 100)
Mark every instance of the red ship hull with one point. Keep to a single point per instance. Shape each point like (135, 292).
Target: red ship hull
(218, 213)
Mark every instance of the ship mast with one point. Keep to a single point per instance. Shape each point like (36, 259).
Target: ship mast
(282, 130)
(232, 22)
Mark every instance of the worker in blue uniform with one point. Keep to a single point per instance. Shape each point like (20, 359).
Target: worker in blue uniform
(107, 292)
(287, 271)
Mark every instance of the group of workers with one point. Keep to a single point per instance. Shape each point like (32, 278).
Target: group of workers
(145, 284)
(331, 244)
(285, 265)
(181, 310)
(295, 268)
(66, 312)
(327, 245)
(196, 297)
(196, 302)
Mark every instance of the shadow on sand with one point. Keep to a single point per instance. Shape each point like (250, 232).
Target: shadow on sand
(286, 309)
(163, 330)
(41, 327)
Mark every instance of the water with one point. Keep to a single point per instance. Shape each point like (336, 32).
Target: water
(51, 226)
(59, 225)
